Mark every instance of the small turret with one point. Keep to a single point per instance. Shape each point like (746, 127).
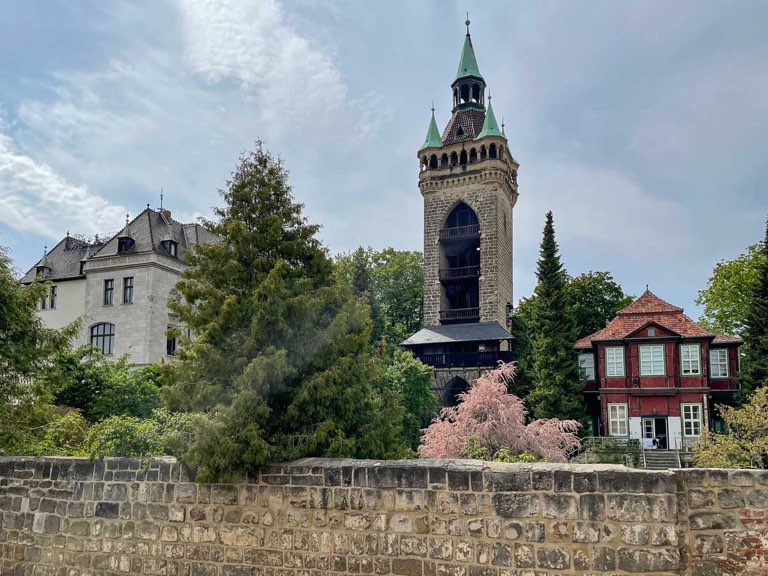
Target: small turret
(433, 139)
(490, 126)
(469, 86)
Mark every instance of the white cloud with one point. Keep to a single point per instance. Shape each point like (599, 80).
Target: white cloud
(602, 210)
(35, 198)
(252, 43)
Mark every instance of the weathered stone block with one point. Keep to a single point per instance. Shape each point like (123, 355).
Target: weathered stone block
(407, 567)
(552, 558)
(646, 561)
(516, 505)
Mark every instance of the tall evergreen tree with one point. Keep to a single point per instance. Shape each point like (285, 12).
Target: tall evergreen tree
(557, 390)
(281, 365)
(754, 374)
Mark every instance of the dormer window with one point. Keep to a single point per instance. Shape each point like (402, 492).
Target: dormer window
(42, 271)
(124, 244)
(172, 247)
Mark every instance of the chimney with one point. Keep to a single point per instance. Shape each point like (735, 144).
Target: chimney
(166, 214)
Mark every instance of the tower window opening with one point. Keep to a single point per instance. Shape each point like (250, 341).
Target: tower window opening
(455, 96)
(473, 155)
(492, 151)
(476, 93)
(454, 159)
(444, 161)
(463, 157)
(464, 90)
(483, 153)
(433, 161)
(460, 216)
(424, 163)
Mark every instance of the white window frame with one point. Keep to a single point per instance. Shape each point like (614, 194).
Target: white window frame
(53, 293)
(691, 426)
(614, 367)
(650, 348)
(721, 363)
(693, 360)
(618, 419)
(587, 365)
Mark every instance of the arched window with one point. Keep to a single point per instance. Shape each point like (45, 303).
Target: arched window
(464, 89)
(433, 161)
(453, 388)
(483, 152)
(514, 176)
(103, 337)
(492, 151)
(473, 155)
(444, 161)
(475, 93)
(461, 215)
(454, 159)
(424, 162)
(463, 157)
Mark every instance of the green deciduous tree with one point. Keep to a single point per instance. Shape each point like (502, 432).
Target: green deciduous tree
(557, 390)
(754, 373)
(26, 350)
(745, 443)
(726, 299)
(281, 364)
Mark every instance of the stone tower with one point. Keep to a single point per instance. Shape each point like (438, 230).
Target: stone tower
(468, 180)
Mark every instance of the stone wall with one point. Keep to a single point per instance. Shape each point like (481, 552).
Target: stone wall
(406, 518)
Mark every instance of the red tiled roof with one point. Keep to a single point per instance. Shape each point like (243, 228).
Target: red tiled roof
(650, 309)
(725, 339)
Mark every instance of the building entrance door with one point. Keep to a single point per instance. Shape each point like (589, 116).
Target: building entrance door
(656, 428)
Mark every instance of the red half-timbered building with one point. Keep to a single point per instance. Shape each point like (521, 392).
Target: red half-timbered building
(654, 374)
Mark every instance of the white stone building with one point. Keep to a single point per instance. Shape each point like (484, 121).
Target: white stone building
(121, 287)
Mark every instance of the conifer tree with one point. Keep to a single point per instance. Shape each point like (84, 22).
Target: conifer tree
(754, 374)
(280, 365)
(557, 390)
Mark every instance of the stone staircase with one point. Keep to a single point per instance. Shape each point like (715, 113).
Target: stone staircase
(660, 459)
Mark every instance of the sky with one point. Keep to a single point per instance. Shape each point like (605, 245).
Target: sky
(643, 125)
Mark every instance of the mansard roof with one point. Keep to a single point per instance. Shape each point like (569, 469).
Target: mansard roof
(63, 260)
(470, 120)
(476, 332)
(152, 227)
(650, 309)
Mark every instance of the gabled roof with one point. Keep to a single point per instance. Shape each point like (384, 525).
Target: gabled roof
(470, 120)
(648, 309)
(725, 339)
(150, 228)
(479, 332)
(63, 260)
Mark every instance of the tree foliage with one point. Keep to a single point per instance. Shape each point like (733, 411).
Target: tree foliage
(489, 421)
(26, 350)
(745, 443)
(557, 391)
(726, 299)
(394, 283)
(754, 373)
(281, 364)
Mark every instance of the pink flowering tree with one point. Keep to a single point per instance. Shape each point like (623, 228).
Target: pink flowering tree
(489, 418)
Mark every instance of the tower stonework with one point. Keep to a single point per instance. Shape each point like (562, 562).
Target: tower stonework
(468, 179)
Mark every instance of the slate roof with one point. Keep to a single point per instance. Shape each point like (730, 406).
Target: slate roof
(650, 309)
(63, 260)
(471, 122)
(479, 332)
(150, 228)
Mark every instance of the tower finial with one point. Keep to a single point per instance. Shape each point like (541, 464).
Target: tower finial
(161, 198)
(467, 23)
(502, 126)
(127, 217)
(433, 106)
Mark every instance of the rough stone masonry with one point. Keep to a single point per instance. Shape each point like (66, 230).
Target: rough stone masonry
(73, 517)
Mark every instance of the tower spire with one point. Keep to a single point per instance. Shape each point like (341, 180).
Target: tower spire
(433, 139)
(490, 126)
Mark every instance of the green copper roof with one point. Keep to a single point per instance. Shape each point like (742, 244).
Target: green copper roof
(433, 139)
(490, 126)
(468, 62)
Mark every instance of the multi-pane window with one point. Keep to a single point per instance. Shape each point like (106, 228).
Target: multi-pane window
(614, 361)
(109, 290)
(718, 363)
(617, 420)
(103, 337)
(170, 346)
(586, 366)
(128, 290)
(44, 302)
(690, 360)
(651, 360)
(691, 419)
(52, 297)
